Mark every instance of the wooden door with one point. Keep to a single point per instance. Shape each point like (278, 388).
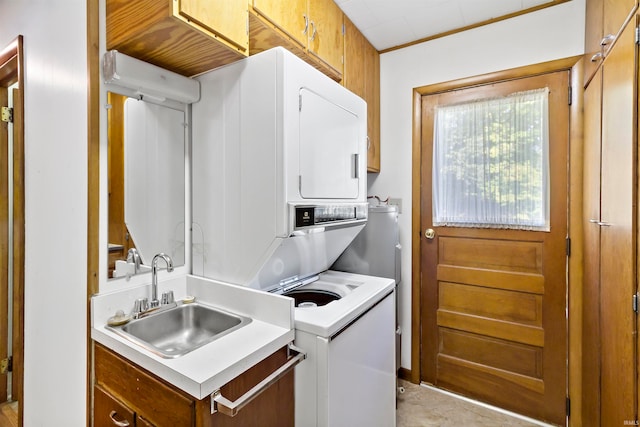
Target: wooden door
(617, 233)
(290, 16)
(326, 39)
(591, 289)
(494, 300)
(4, 242)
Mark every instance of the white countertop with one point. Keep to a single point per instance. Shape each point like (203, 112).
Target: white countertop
(204, 370)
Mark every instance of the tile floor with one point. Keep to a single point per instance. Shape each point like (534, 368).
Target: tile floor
(424, 407)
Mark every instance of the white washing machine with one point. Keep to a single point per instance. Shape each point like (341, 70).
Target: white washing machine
(346, 324)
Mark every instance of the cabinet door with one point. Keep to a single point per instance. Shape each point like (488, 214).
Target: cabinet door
(290, 16)
(614, 13)
(326, 40)
(593, 37)
(604, 20)
(109, 412)
(372, 96)
(617, 242)
(353, 77)
(591, 288)
(225, 18)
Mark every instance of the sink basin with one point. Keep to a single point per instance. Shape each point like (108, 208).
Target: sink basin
(177, 331)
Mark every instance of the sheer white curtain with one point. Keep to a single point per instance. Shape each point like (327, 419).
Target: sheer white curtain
(491, 163)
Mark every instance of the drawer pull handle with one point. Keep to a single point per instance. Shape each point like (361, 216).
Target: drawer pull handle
(227, 407)
(124, 423)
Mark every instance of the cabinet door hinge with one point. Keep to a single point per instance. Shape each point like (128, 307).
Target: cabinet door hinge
(6, 114)
(637, 35)
(634, 303)
(568, 246)
(299, 102)
(6, 365)
(568, 406)
(344, 30)
(570, 95)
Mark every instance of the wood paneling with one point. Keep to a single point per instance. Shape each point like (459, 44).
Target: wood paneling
(497, 304)
(525, 282)
(508, 356)
(505, 255)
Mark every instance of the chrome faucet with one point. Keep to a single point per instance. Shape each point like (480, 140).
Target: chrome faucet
(154, 277)
(134, 257)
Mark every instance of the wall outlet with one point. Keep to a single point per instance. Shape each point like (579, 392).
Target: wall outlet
(397, 202)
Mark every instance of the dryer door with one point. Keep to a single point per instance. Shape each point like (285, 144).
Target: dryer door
(329, 161)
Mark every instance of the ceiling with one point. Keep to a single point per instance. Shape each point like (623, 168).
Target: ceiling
(391, 23)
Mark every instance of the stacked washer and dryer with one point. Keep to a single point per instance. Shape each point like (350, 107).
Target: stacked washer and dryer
(278, 192)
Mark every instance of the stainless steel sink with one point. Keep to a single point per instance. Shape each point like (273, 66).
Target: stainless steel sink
(177, 331)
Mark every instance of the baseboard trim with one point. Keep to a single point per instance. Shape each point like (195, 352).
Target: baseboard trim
(405, 374)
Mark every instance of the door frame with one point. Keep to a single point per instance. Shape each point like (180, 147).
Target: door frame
(574, 274)
(12, 71)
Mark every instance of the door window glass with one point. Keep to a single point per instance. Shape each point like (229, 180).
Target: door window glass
(491, 163)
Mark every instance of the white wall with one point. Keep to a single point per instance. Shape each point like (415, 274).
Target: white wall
(552, 33)
(55, 68)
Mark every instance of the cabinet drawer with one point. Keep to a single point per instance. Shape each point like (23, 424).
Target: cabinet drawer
(159, 404)
(109, 412)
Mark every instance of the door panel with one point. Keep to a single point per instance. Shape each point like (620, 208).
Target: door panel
(494, 300)
(591, 290)
(617, 242)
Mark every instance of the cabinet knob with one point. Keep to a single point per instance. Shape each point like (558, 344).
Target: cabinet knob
(123, 423)
(596, 57)
(607, 39)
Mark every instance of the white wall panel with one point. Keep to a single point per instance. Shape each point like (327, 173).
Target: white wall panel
(56, 205)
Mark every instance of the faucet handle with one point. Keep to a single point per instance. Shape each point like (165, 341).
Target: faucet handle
(139, 306)
(167, 298)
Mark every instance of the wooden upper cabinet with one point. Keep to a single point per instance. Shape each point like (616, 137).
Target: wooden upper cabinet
(326, 39)
(362, 77)
(185, 36)
(311, 29)
(226, 19)
(290, 16)
(604, 22)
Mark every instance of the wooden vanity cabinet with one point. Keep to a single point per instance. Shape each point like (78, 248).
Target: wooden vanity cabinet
(311, 29)
(185, 36)
(362, 77)
(125, 392)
